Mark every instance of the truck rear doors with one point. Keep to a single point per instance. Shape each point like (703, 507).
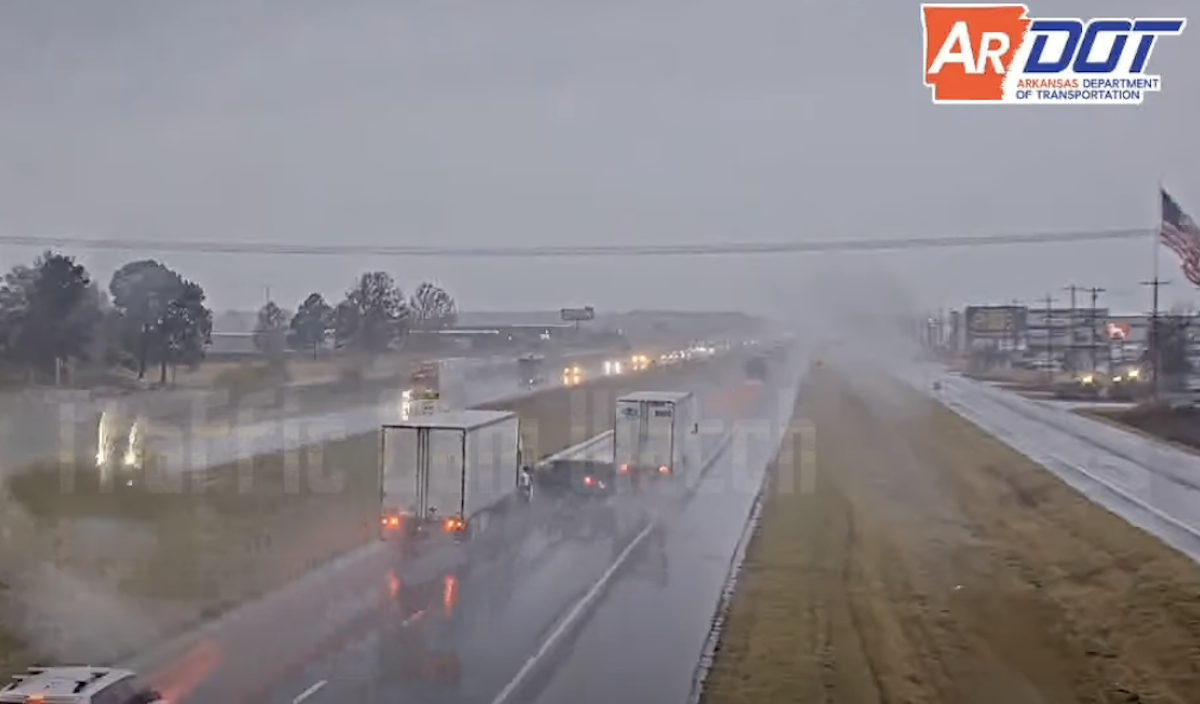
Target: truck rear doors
(644, 436)
(422, 473)
(444, 472)
(659, 449)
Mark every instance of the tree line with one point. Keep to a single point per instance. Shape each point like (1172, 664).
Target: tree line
(372, 317)
(54, 314)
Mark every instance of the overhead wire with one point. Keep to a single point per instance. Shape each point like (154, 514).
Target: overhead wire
(699, 249)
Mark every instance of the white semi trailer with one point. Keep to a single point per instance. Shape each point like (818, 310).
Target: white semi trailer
(656, 433)
(441, 472)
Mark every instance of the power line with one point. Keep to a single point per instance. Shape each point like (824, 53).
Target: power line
(1049, 338)
(817, 246)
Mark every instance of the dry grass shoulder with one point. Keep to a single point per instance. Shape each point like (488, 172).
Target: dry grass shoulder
(185, 547)
(1178, 426)
(931, 563)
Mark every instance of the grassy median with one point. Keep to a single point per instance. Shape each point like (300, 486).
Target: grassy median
(211, 539)
(928, 562)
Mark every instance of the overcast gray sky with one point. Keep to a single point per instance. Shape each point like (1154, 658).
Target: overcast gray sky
(527, 122)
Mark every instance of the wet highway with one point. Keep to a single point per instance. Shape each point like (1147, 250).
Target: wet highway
(41, 426)
(643, 641)
(267, 644)
(511, 616)
(498, 610)
(214, 444)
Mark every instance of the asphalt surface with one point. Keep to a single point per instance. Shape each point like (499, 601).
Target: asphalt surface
(37, 426)
(643, 641)
(561, 600)
(249, 435)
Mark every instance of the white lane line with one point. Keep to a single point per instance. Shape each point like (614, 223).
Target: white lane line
(309, 692)
(572, 617)
(164, 654)
(580, 608)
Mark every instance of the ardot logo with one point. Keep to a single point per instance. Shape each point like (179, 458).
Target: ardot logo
(998, 54)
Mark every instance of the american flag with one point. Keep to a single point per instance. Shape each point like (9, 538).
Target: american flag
(1179, 232)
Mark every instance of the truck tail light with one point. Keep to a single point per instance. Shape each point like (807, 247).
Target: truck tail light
(664, 469)
(453, 525)
(624, 469)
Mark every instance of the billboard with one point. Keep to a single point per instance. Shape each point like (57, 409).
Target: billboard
(995, 322)
(575, 315)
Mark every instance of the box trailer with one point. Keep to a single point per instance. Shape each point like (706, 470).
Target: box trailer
(442, 471)
(656, 433)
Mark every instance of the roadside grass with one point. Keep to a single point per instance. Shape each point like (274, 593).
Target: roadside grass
(1179, 427)
(934, 563)
(766, 631)
(13, 655)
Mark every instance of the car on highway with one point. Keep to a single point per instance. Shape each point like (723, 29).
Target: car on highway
(583, 486)
(77, 685)
(529, 369)
(572, 375)
(425, 375)
(1128, 383)
(576, 478)
(756, 369)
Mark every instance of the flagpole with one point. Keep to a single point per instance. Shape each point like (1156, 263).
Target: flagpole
(1152, 338)
(1157, 226)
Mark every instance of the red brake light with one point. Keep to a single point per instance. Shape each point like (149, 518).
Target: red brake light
(664, 469)
(589, 481)
(624, 469)
(453, 525)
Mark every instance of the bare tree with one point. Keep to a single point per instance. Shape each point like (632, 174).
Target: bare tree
(432, 307)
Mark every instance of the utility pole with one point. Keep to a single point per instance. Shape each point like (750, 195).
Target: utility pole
(1069, 363)
(1095, 291)
(1014, 340)
(1152, 338)
(1049, 342)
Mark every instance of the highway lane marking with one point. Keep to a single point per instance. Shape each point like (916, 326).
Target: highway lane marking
(572, 617)
(309, 692)
(585, 602)
(160, 659)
